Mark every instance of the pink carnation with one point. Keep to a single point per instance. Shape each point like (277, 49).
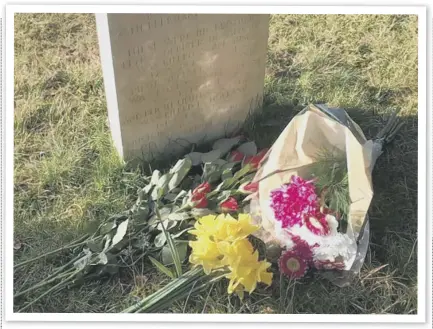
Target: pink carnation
(295, 201)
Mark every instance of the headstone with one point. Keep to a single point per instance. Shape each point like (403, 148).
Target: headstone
(176, 79)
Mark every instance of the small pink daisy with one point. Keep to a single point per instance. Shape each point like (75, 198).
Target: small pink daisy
(292, 265)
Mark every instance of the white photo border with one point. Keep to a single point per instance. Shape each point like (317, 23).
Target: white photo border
(423, 116)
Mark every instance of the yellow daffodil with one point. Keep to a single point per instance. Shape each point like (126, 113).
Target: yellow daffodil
(205, 253)
(207, 225)
(245, 267)
(237, 252)
(248, 276)
(222, 242)
(240, 228)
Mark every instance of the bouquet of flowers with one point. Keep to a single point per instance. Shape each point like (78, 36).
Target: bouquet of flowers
(315, 188)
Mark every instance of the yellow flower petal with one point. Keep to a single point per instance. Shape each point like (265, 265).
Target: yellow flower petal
(266, 278)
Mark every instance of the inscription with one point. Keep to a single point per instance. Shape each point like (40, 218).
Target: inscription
(185, 76)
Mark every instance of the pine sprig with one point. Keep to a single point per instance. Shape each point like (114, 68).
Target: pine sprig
(332, 182)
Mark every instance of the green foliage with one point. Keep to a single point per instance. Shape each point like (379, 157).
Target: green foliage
(332, 182)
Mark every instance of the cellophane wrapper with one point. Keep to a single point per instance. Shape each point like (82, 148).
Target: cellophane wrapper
(316, 128)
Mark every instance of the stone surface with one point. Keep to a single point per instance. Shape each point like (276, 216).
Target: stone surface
(176, 79)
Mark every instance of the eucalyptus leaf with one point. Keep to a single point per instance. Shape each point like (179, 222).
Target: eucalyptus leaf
(161, 187)
(226, 144)
(168, 225)
(220, 162)
(179, 216)
(228, 183)
(180, 195)
(147, 188)
(141, 196)
(178, 234)
(171, 245)
(226, 174)
(211, 156)
(228, 165)
(181, 166)
(156, 175)
(219, 187)
(81, 263)
(180, 170)
(242, 172)
(164, 213)
(160, 240)
(107, 242)
(200, 212)
(103, 260)
(214, 177)
(248, 149)
(211, 173)
(166, 254)
(170, 197)
(195, 158)
(108, 227)
(247, 178)
(185, 200)
(121, 231)
(153, 221)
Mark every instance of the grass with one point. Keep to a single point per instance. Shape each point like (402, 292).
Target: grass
(68, 174)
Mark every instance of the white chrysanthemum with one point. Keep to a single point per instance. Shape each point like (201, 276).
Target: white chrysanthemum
(334, 246)
(329, 247)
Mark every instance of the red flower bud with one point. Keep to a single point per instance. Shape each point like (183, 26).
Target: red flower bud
(203, 188)
(199, 200)
(255, 160)
(248, 188)
(236, 156)
(229, 205)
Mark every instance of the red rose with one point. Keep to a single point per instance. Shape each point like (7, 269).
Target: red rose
(229, 205)
(199, 200)
(255, 160)
(236, 156)
(248, 188)
(203, 188)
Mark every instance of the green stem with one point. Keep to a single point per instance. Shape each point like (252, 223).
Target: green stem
(39, 285)
(167, 290)
(62, 283)
(53, 277)
(184, 290)
(174, 253)
(71, 245)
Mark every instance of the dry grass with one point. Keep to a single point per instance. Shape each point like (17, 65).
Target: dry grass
(67, 172)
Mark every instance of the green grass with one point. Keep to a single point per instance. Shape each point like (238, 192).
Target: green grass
(67, 172)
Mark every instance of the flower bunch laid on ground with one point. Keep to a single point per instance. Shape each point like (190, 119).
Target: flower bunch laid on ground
(200, 189)
(221, 243)
(313, 191)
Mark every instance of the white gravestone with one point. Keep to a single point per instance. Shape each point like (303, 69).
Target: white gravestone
(175, 79)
